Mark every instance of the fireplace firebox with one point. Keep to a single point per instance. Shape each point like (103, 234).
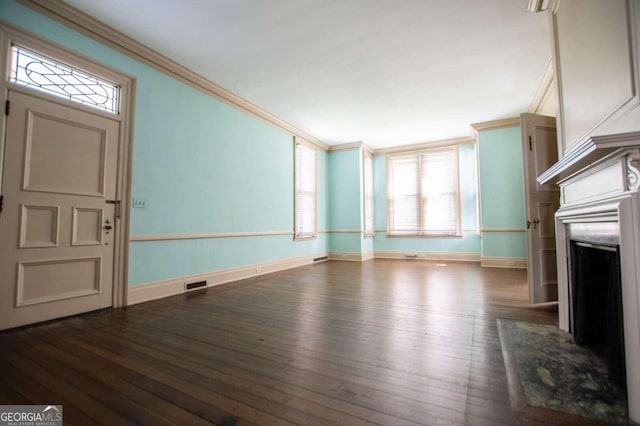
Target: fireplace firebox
(596, 317)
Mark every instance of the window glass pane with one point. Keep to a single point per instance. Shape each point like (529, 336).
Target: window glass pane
(305, 192)
(32, 70)
(403, 194)
(439, 192)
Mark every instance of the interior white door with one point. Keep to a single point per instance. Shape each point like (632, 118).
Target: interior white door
(540, 152)
(56, 226)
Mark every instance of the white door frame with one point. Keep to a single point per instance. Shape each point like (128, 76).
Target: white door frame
(10, 35)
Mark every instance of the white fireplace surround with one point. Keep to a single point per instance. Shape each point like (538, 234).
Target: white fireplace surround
(607, 191)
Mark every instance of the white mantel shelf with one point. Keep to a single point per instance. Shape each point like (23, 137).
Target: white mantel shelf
(586, 153)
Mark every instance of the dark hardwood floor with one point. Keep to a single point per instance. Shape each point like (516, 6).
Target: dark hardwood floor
(382, 342)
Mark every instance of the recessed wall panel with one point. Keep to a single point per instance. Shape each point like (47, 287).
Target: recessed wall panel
(595, 63)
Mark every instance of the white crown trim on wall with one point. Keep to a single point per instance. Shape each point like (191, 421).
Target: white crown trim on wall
(496, 124)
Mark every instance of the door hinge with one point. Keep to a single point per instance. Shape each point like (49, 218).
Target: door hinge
(530, 146)
(7, 107)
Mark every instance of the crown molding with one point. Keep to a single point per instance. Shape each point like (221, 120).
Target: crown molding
(496, 124)
(543, 88)
(351, 145)
(92, 28)
(346, 146)
(425, 145)
(366, 148)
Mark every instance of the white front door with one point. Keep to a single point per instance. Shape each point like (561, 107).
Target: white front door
(56, 225)
(540, 152)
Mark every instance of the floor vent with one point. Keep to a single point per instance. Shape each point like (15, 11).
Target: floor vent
(320, 259)
(195, 286)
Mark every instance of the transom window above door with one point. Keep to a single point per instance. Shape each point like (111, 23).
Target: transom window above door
(39, 72)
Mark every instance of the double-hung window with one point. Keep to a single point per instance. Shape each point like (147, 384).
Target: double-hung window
(305, 192)
(423, 195)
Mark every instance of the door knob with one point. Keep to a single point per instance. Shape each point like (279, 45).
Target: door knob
(108, 227)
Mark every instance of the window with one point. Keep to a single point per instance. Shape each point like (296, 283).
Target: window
(423, 193)
(305, 192)
(30, 69)
(368, 194)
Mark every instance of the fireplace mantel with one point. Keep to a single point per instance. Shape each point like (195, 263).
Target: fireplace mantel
(588, 152)
(607, 191)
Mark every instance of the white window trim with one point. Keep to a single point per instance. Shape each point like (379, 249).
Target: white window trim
(367, 196)
(421, 232)
(305, 234)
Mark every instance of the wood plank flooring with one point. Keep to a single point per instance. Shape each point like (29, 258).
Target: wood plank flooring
(388, 342)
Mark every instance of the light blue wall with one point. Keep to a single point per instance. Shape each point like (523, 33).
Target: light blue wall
(344, 189)
(345, 200)
(502, 192)
(468, 243)
(504, 244)
(201, 166)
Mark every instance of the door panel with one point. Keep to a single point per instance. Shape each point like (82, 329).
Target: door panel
(541, 202)
(87, 227)
(39, 226)
(63, 156)
(53, 280)
(547, 226)
(56, 251)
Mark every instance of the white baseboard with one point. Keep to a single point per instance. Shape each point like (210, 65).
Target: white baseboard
(159, 289)
(346, 255)
(427, 255)
(504, 262)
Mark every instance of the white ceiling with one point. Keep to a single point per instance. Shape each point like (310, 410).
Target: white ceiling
(385, 72)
